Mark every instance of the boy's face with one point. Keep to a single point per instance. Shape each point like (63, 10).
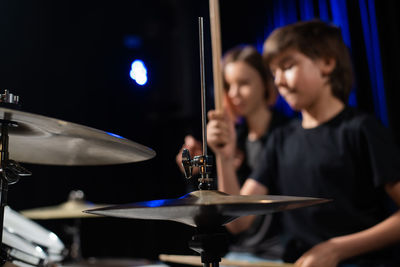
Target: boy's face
(300, 80)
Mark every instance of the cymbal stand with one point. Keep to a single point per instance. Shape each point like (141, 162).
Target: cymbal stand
(75, 251)
(204, 162)
(10, 170)
(211, 246)
(209, 242)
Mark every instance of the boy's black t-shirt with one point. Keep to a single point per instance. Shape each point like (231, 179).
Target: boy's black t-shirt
(347, 159)
(242, 131)
(263, 237)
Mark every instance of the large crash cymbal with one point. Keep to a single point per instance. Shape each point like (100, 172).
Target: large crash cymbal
(42, 140)
(73, 208)
(206, 208)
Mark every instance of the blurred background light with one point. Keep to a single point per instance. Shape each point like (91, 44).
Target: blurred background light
(138, 72)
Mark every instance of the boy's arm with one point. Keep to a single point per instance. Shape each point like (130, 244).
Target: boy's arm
(376, 237)
(221, 138)
(228, 183)
(337, 249)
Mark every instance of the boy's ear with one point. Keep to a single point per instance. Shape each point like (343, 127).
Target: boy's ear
(328, 65)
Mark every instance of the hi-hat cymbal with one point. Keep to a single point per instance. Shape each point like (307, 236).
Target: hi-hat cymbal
(42, 140)
(73, 208)
(206, 207)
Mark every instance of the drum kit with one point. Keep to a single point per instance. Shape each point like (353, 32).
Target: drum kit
(36, 139)
(31, 138)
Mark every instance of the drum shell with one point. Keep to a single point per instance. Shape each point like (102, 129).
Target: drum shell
(22, 252)
(34, 233)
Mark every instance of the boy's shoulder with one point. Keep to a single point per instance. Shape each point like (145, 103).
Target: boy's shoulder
(349, 119)
(287, 128)
(361, 126)
(357, 119)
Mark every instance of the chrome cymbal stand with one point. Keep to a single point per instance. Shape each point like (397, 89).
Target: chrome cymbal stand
(204, 162)
(209, 241)
(10, 170)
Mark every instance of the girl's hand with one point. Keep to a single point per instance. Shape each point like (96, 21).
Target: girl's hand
(221, 135)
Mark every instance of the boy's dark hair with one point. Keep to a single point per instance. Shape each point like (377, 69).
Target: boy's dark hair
(316, 40)
(253, 58)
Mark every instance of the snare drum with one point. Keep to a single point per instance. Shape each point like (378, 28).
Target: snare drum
(35, 234)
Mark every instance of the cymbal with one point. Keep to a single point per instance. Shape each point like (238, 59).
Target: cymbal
(196, 261)
(206, 207)
(71, 209)
(43, 140)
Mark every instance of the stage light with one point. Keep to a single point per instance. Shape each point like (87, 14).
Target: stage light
(138, 72)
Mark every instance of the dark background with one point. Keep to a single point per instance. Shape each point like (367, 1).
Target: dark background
(71, 60)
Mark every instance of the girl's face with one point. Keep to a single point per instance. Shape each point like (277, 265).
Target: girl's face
(246, 89)
(300, 80)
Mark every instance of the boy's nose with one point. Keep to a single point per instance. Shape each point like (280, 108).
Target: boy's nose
(279, 78)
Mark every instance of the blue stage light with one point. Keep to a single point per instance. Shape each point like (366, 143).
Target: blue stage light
(138, 72)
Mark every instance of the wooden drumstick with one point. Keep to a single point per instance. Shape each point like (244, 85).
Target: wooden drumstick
(216, 54)
(196, 261)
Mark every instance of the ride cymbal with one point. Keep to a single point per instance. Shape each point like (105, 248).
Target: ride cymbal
(42, 140)
(206, 207)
